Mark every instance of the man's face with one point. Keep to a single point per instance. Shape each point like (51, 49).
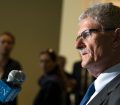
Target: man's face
(46, 63)
(95, 46)
(6, 44)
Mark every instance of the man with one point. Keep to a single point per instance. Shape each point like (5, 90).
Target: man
(98, 42)
(7, 64)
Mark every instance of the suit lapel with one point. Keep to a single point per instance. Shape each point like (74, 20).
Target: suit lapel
(103, 94)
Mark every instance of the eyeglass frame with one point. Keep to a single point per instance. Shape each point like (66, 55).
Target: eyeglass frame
(90, 31)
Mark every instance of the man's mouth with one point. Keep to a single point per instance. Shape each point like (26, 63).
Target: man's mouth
(84, 53)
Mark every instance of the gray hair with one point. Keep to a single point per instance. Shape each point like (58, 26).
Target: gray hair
(106, 14)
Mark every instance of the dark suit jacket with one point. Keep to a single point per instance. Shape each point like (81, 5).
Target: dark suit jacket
(109, 95)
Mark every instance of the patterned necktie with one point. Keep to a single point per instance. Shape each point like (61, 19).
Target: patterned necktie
(88, 94)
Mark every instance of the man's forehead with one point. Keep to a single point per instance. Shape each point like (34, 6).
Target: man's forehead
(87, 23)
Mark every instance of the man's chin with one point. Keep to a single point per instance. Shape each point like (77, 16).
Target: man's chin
(85, 64)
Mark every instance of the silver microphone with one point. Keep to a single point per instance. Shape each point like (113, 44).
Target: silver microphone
(16, 77)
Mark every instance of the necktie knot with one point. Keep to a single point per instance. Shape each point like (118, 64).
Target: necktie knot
(89, 93)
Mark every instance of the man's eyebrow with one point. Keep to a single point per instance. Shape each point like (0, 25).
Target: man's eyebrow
(80, 34)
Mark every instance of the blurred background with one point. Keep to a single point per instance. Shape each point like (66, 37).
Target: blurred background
(41, 24)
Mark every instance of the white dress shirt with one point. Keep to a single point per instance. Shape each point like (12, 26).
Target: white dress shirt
(104, 78)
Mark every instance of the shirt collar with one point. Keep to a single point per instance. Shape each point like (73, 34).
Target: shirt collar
(105, 77)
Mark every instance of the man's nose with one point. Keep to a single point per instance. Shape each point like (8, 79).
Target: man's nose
(79, 44)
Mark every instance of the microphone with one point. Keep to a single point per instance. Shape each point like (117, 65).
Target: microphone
(16, 77)
(10, 88)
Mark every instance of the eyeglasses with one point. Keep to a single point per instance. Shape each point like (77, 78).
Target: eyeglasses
(89, 32)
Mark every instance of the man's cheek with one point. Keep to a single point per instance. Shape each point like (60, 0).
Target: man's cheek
(98, 53)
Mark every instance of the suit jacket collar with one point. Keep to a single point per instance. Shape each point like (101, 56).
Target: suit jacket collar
(102, 95)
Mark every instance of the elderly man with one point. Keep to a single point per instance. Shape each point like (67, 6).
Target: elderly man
(98, 42)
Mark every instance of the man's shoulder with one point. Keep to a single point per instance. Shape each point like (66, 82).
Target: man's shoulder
(116, 90)
(109, 95)
(114, 96)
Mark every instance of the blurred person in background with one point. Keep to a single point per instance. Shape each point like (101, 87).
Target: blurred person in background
(7, 42)
(68, 81)
(83, 79)
(51, 92)
(76, 74)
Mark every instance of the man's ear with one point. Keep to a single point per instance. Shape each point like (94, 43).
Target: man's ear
(116, 38)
